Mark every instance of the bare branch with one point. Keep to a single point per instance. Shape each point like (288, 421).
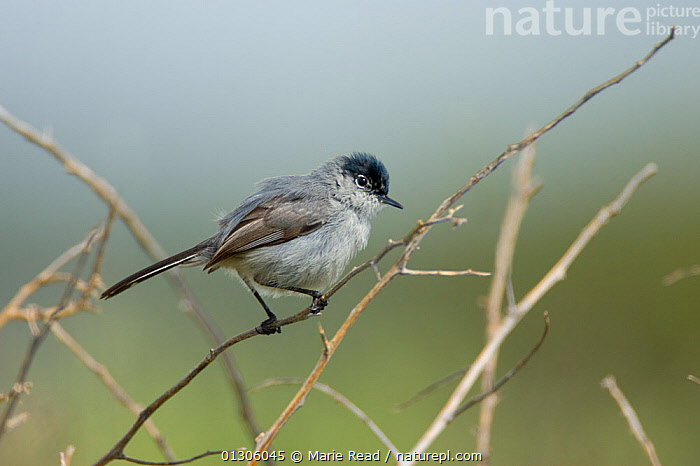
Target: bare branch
(17, 420)
(148, 243)
(324, 340)
(558, 272)
(117, 451)
(51, 274)
(370, 263)
(32, 312)
(680, 274)
(67, 456)
(117, 391)
(430, 389)
(95, 280)
(337, 397)
(17, 388)
(99, 185)
(38, 337)
(511, 320)
(448, 217)
(159, 463)
(413, 240)
(515, 148)
(511, 373)
(457, 374)
(443, 273)
(521, 194)
(632, 419)
(329, 350)
(692, 378)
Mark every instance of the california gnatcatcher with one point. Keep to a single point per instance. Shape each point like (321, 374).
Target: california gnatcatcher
(295, 234)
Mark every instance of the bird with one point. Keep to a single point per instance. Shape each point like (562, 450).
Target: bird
(293, 236)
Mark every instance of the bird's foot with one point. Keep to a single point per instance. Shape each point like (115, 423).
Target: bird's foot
(318, 304)
(268, 327)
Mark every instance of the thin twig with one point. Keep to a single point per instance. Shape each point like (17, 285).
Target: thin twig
(337, 397)
(443, 273)
(39, 337)
(67, 456)
(515, 148)
(413, 240)
(161, 463)
(459, 373)
(18, 388)
(17, 420)
(558, 272)
(105, 191)
(324, 339)
(680, 274)
(51, 274)
(117, 451)
(372, 263)
(117, 391)
(298, 399)
(430, 389)
(449, 217)
(511, 320)
(510, 294)
(33, 312)
(521, 194)
(692, 378)
(510, 374)
(99, 185)
(632, 419)
(94, 280)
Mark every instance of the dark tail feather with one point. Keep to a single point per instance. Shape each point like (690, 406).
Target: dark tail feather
(153, 270)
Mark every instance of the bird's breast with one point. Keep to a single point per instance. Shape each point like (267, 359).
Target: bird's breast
(313, 261)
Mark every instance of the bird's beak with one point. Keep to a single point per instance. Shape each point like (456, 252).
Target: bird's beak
(389, 201)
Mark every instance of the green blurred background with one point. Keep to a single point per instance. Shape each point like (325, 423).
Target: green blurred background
(182, 106)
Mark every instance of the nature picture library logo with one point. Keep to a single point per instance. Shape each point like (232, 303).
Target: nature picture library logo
(554, 19)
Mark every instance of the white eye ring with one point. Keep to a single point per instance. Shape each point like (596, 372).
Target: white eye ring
(362, 181)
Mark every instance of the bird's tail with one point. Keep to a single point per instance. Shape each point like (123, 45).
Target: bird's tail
(181, 258)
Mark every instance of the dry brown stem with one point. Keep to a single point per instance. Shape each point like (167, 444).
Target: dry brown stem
(117, 391)
(680, 274)
(632, 419)
(67, 456)
(442, 273)
(105, 191)
(352, 407)
(510, 374)
(174, 462)
(522, 192)
(412, 241)
(38, 335)
(460, 373)
(511, 320)
(14, 308)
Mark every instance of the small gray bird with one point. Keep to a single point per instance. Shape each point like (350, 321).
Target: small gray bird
(295, 234)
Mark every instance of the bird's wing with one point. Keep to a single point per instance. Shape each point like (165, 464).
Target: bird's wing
(272, 222)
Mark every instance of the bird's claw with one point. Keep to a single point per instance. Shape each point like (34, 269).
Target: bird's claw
(318, 304)
(267, 327)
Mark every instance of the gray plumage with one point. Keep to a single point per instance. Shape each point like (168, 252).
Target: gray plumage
(294, 234)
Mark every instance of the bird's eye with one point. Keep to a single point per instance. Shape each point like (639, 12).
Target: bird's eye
(362, 181)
